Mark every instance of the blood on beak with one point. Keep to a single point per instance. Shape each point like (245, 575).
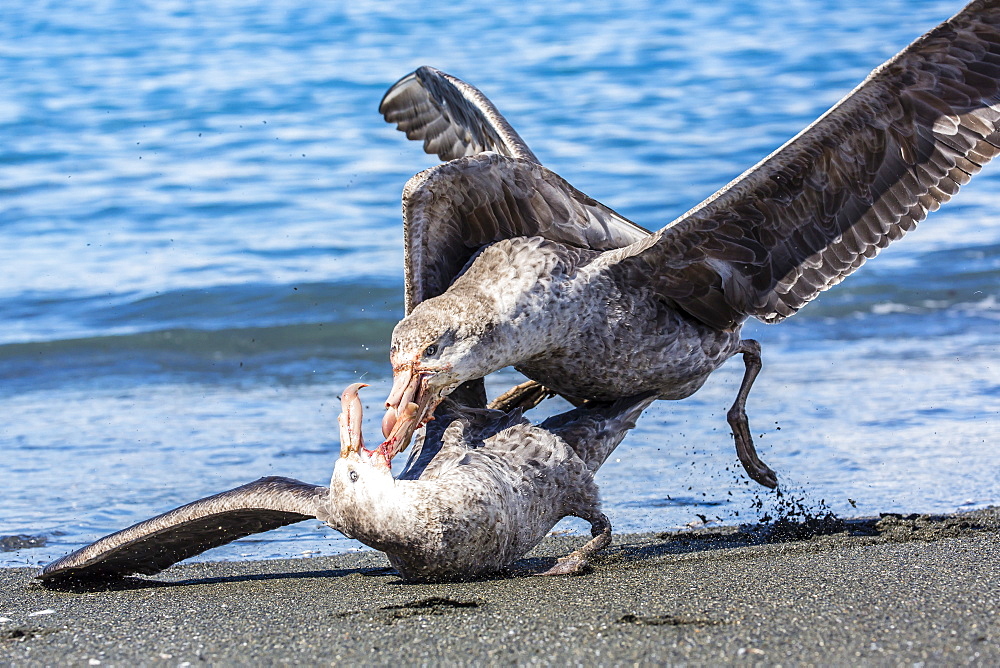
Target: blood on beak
(352, 444)
(405, 384)
(409, 406)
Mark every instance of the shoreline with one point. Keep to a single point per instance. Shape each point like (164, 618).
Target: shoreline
(897, 589)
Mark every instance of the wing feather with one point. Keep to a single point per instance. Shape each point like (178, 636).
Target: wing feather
(807, 216)
(452, 118)
(150, 546)
(452, 210)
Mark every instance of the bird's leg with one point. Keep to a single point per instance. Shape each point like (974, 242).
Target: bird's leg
(575, 562)
(525, 396)
(737, 418)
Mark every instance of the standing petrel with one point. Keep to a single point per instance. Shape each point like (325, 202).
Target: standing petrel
(502, 269)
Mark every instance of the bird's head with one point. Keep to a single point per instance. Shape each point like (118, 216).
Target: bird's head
(366, 501)
(441, 344)
(493, 315)
(360, 475)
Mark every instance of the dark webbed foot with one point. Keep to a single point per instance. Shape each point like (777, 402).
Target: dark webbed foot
(575, 563)
(737, 418)
(525, 396)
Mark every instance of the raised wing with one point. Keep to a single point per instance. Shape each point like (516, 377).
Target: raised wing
(151, 546)
(452, 210)
(452, 118)
(861, 176)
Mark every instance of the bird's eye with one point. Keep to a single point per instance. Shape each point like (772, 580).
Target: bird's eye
(430, 351)
(353, 475)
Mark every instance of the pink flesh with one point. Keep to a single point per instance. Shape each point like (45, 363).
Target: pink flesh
(405, 385)
(389, 448)
(388, 421)
(411, 418)
(401, 379)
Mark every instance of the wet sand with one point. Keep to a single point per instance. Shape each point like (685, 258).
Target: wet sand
(899, 590)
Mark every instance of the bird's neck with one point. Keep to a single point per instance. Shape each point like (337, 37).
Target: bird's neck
(524, 289)
(386, 517)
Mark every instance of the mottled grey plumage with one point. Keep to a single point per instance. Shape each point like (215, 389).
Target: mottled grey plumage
(665, 311)
(480, 490)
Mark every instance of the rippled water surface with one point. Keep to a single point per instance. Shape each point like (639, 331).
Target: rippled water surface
(200, 246)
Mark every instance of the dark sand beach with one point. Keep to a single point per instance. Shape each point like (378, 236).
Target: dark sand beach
(893, 590)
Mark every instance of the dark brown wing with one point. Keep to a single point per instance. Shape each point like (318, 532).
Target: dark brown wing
(595, 431)
(151, 546)
(452, 210)
(452, 118)
(861, 176)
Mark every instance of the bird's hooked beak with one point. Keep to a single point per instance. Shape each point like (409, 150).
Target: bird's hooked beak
(410, 405)
(352, 444)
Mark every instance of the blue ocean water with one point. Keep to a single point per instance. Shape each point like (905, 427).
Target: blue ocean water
(200, 246)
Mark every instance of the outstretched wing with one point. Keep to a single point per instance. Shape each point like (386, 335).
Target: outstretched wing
(452, 118)
(452, 210)
(861, 176)
(151, 546)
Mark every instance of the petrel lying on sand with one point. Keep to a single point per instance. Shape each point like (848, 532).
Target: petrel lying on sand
(508, 264)
(480, 489)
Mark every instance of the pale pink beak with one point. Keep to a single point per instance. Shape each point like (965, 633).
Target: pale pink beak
(351, 439)
(352, 444)
(410, 405)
